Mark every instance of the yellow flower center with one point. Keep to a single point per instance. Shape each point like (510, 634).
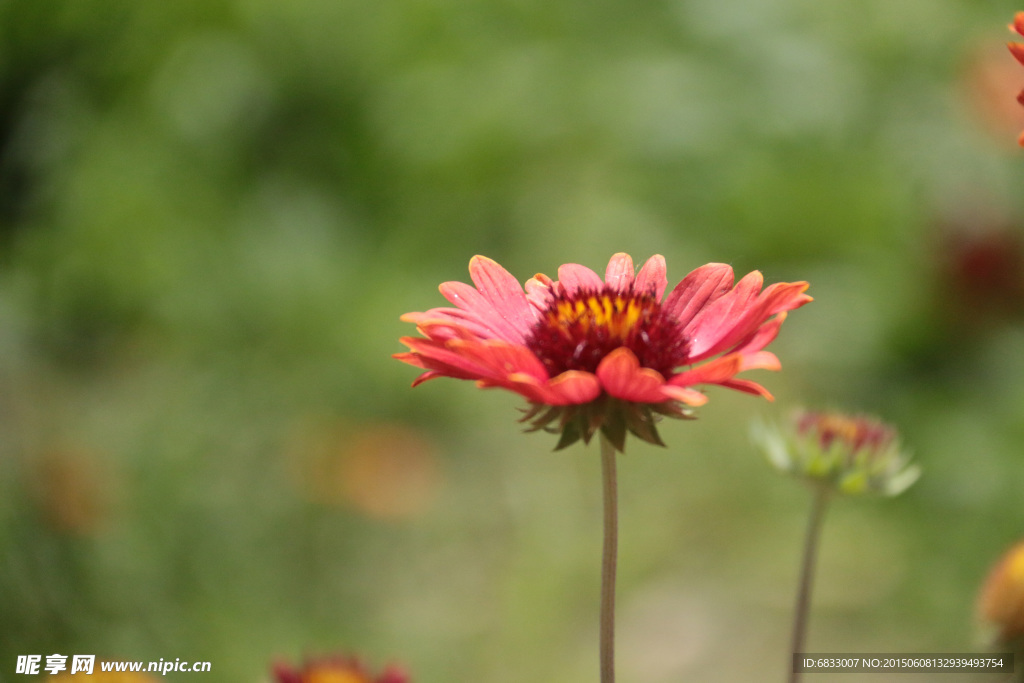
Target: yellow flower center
(577, 331)
(612, 315)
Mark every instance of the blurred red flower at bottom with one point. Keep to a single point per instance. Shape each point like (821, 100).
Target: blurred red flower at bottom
(336, 670)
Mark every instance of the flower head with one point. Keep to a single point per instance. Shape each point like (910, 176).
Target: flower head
(336, 670)
(592, 354)
(852, 454)
(1001, 602)
(1017, 50)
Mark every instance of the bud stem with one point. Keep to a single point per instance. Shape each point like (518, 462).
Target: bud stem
(803, 599)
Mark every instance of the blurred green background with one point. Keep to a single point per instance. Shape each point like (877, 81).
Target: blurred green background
(212, 213)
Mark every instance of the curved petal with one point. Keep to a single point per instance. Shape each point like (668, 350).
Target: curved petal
(619, 274)
(736, 317)
(540, 289)
(570, 388)
(1018, 23)
(746, 386)
(574, 387)
(450, 323)
(690, 397)
(1017, 50)
(498, 358)
(430, 374)
(622, 377)
(760, 360)
(437, 356)
(653, 277)
(524, 385)
(712, 372)
(574, 277)
(697, 290)
(473, 302)
(503, 291)
(764, 335)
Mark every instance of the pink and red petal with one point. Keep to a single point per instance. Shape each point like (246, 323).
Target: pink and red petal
(1018, 23)
(749, 387)
(570, 388)
(473, 302)
(760, 360)
(1017, 50)
(653, 277)
(764, 335)
(440, 357)
(497, 358)
(574, 387)
(572, 277)
(735, 319)
(690, 397)
(495, 363)
(712, 372)
(721, 317)
(696, 291)
(622, 377)
(430, 374)
(450, 323)
(540, 290)
(503, 291)
(619, 273)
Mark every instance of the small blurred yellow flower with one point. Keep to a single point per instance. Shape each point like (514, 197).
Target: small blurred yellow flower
(1001, 602)
(851, 454)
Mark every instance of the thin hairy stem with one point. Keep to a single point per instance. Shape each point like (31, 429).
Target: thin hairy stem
(803, 598)
(609, 557)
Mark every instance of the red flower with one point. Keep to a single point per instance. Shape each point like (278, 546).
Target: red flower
(336, 670)
(1017, 50)
(603, 354)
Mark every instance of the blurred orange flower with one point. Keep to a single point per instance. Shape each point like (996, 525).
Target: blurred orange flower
(1001, 602)
(72, 490)
(383, 470)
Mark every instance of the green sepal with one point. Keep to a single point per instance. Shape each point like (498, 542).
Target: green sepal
(570, 435)
(643, 424)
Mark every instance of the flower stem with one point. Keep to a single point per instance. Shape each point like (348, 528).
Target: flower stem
(608, 560)
(803, 599)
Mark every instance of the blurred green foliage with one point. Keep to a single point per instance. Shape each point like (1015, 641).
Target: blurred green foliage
(213, 212)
